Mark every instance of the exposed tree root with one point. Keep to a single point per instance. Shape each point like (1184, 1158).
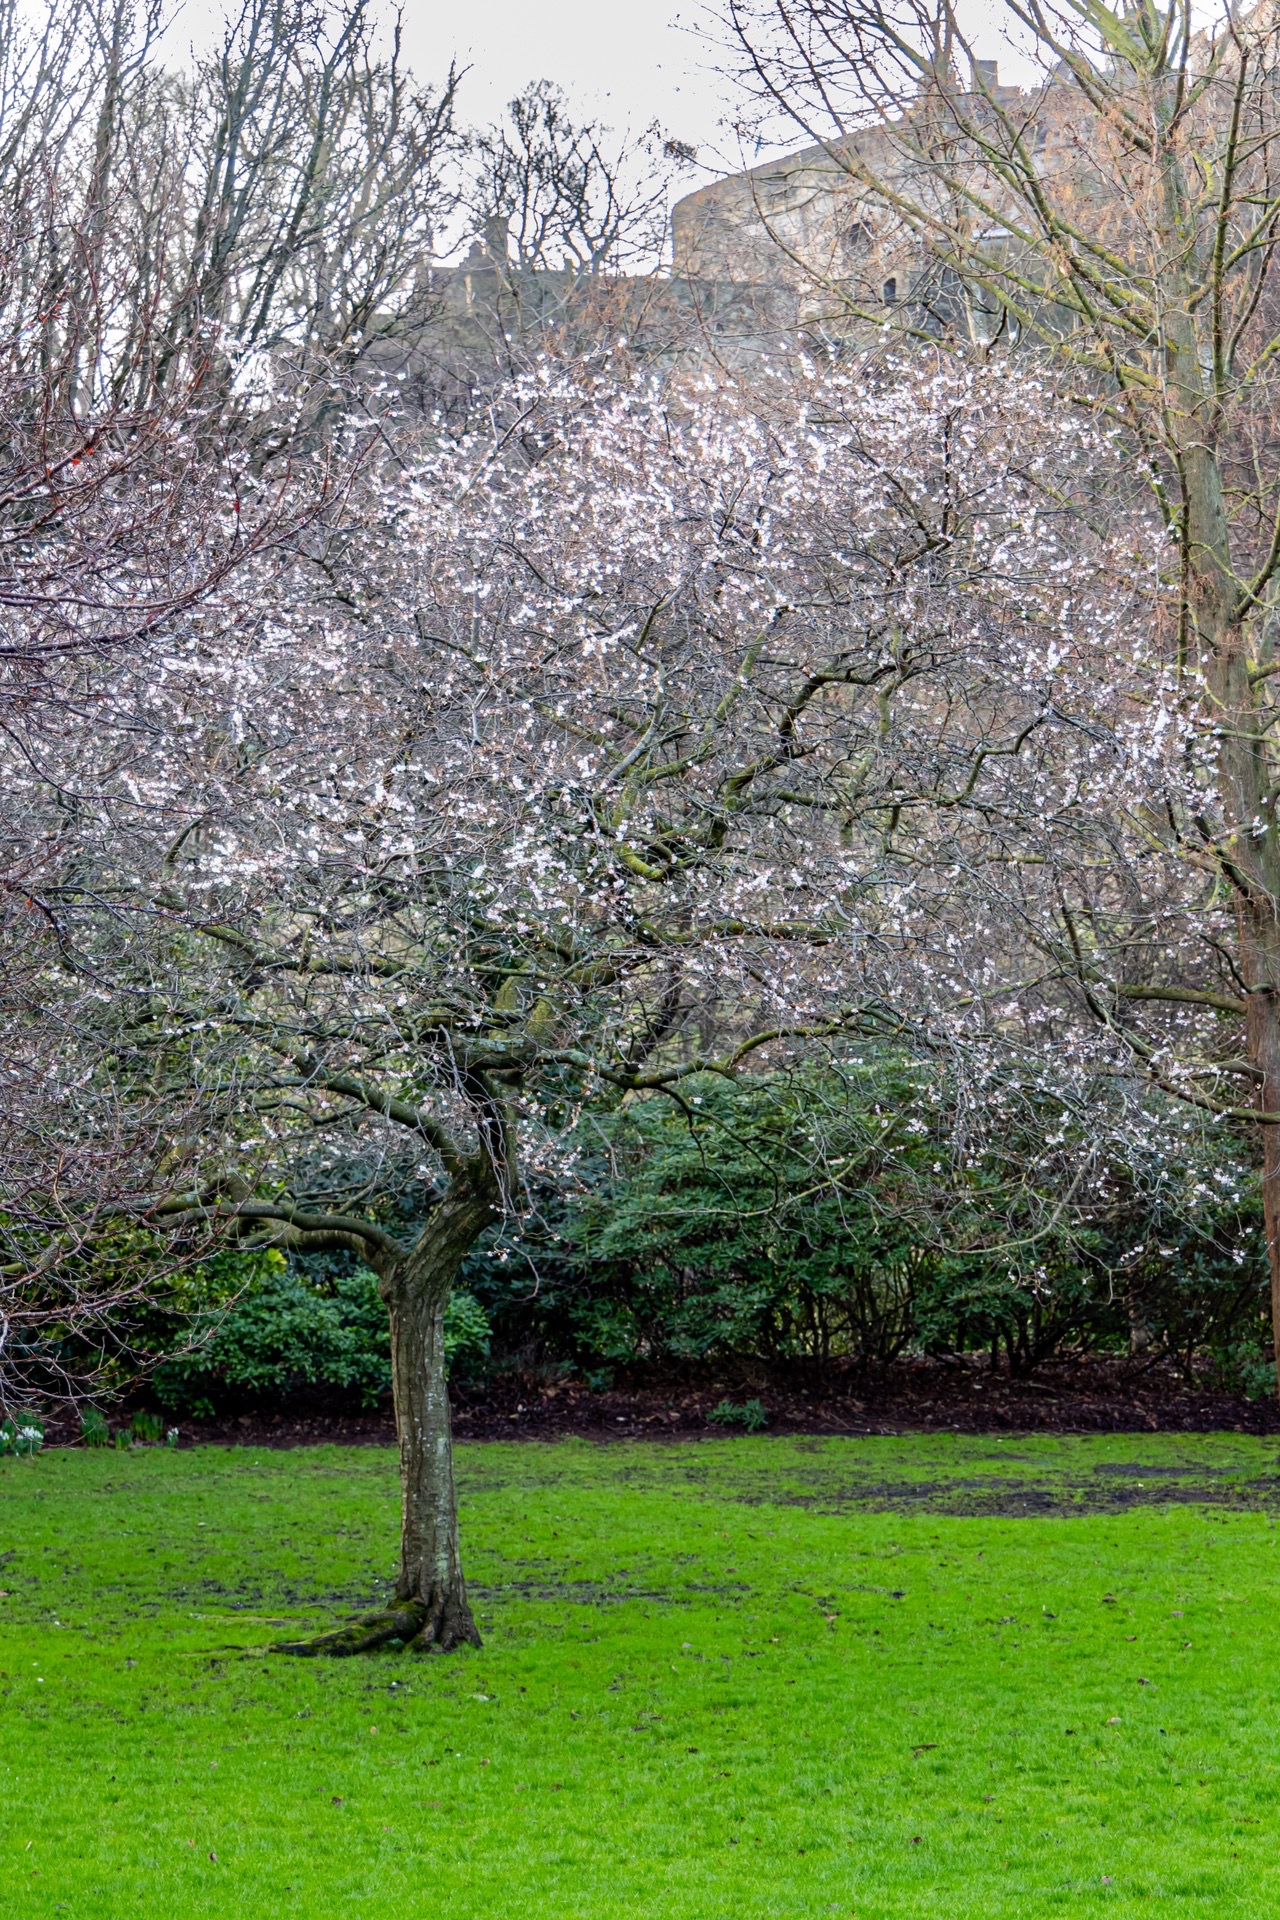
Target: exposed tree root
(447, 1623)
(443, 1622)
(370, 1631)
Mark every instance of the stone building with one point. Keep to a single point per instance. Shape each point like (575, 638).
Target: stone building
(490, 304)
(806, 224)
(799, 244)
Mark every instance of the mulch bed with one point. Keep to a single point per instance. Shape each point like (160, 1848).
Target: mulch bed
(1079, 1396)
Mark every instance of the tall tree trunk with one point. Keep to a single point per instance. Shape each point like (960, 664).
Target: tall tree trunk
(1253, 866)
(430, 1608)
(1251, 859)
(417, 1292)
(1264, 1051)
(1254, 870)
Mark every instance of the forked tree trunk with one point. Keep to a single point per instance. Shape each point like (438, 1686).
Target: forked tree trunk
(430, 1607)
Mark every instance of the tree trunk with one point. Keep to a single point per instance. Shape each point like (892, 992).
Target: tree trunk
(1245, 795)
(1264, 1050)
(417, 1293)
(430, 1607)
(1255, 872)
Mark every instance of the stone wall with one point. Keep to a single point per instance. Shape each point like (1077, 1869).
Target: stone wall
(807, 222)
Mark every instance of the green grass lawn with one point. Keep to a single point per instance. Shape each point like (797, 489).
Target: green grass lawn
(931, 1676)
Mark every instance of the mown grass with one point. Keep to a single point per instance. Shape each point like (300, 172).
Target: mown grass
(749, 1677)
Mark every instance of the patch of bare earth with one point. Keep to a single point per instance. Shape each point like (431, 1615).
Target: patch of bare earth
(957, 1396)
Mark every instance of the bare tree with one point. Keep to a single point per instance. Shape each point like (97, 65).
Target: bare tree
(115, 518)
(63, 71)
(190, 269)
(302, 178)
(116, 525)
(552, 194)
(1124, 218)
(273, 209)
(570, 224)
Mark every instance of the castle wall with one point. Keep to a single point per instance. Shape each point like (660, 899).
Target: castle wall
(807, 221)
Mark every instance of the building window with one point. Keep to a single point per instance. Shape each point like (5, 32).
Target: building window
(890, 290)
(853, 241)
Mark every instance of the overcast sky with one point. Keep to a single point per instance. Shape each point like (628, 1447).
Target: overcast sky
(632, 60)
(628, 62)
(631, 63)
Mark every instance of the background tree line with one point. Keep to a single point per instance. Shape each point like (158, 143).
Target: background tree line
(729, 1246)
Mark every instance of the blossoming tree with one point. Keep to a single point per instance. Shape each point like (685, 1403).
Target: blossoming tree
(623, 739)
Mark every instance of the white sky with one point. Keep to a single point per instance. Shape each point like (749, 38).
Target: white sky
(627, 62)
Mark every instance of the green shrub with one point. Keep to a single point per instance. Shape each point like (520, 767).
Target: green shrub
(854, 1214)
(843, 1214)
(750, 1416)
(94, 1431)
(314, 1324)
(294, 1327)
(466, 1334)
(1246, 1368)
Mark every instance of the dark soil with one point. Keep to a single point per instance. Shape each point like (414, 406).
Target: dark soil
(1078, 1396)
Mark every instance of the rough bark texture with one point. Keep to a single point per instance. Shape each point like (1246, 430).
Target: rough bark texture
(1225, 644)
(1264, 1052)
(1247, 807)
(416, 1293)
(1251, 866)
(431, 1607)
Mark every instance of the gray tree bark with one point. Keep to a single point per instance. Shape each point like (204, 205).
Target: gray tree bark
(430, 1580)
(430, 1608)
